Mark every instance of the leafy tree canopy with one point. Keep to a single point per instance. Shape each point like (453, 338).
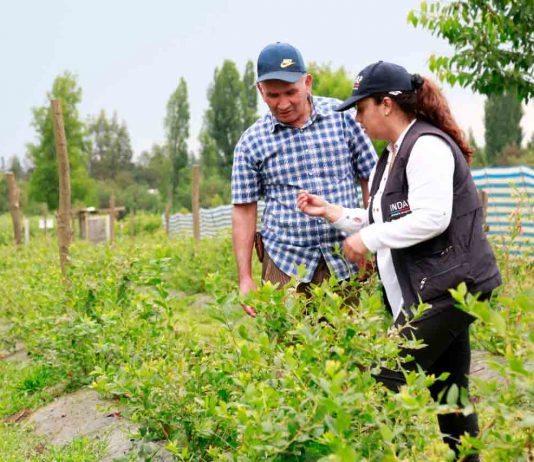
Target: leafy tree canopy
(330, 82)
(493, 42)
(111, 148)
(177, 132)
(502, 117)
(232, 108)
(44, 180)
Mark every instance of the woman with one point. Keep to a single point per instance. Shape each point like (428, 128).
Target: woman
(424, 222)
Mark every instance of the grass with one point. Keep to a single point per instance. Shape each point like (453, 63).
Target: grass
(18, 443)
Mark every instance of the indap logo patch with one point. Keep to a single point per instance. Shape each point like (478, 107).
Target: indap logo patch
(399, 208)
(357, 83)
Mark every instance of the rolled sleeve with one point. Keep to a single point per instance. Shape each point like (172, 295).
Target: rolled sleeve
(363, 153)
(246, 180)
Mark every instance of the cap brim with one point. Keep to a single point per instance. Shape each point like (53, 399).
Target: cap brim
(285, 76)
(350, 102)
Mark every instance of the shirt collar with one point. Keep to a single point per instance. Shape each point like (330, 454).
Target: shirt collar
(317, 112)
(400, 139)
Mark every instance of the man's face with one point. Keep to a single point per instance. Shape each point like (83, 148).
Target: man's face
(288, 102)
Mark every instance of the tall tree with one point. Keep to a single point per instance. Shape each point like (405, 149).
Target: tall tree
(16, 167)
(493, 42)
(249, 96)
(177, 131)
(329, 82)
(502, 117)
(154, 168)
(479, 155)
(43, 185)
(111, 148)
(224, 118)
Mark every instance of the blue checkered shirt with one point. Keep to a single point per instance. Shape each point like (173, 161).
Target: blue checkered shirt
(275, 161)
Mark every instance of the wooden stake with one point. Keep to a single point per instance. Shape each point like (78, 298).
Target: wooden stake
(112, 217)
(483, 196)
(63, 215)
(13, 195)
(195, 201)
(132, 224)
(167, 217)
(45, 217)
(26, 231)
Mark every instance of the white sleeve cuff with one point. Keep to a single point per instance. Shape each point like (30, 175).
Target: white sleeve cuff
(369, 238)
(351, 220)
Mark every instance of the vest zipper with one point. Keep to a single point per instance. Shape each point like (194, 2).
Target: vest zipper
(438, 253)
(424, 280)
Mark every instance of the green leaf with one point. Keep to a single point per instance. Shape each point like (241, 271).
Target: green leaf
(386, 433)
(452, 395)
(243, 332)
(412, 18)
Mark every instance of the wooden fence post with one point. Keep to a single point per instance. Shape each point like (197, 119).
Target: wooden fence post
(483, 196)
(168, 217)
(195, 201)
(44, 209)
(26, 231)
(112, 217)
(132, 224)
(63, 215)
(13, 195)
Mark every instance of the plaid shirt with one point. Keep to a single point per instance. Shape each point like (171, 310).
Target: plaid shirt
(275, 161)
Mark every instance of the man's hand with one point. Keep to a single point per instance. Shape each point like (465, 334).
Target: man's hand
(354, 248)
(245, 286)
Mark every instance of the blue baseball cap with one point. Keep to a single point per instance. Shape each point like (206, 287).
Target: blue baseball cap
(380, 77)
(280, 61)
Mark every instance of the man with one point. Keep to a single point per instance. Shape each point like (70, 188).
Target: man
(302, 144)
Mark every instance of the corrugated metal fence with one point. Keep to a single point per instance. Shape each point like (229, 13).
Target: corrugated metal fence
(510, 205)
(510, 208)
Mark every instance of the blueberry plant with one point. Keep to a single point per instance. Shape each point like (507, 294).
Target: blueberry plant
(157, 324)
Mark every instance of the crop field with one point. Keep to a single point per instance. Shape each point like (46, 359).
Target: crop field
(155, 324)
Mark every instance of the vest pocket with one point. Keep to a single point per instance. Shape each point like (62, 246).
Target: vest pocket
(440, 271)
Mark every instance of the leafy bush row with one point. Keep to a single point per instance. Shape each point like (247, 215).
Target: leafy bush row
(294, 384)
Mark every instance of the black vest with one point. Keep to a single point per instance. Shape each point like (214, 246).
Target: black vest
(461, 253)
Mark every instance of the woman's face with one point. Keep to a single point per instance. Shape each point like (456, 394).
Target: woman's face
(371, 116)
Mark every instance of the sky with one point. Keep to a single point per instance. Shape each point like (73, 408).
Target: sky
(129, 55)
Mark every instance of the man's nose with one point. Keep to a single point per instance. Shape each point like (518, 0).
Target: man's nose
(284, 103)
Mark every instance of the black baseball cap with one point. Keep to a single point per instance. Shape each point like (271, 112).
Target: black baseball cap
(280, 61)
(378, 77)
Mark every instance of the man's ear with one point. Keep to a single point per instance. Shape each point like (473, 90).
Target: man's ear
(260, 89)
(308, 81)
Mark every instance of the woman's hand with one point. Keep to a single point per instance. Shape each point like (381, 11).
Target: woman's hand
(354, 248)
(316, 206)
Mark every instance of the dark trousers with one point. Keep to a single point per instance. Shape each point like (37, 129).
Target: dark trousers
(448, 349)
